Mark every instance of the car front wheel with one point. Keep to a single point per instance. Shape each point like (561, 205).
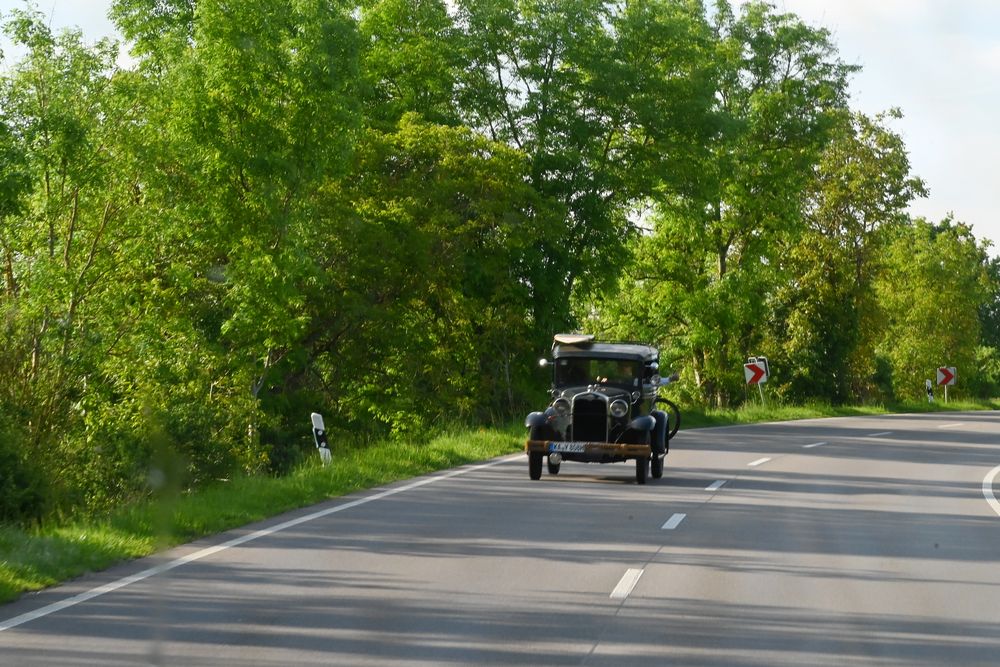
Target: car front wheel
(535, 465)
(656, 466)
(641, 468)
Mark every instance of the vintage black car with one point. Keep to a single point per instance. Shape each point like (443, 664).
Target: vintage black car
(604, 408)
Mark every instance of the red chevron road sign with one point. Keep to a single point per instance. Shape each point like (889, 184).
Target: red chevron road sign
(946, 375)
(755, 372)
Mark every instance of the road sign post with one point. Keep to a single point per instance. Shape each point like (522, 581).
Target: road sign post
(756, 371)
(946, 375)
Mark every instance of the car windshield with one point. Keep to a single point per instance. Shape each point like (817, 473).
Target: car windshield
(576, 371)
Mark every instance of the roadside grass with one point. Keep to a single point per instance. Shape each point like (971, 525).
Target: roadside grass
(32, 559)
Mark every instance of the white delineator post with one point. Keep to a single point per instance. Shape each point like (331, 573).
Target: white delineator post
(319, 437)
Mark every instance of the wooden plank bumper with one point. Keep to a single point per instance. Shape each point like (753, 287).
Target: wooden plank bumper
(595, 450)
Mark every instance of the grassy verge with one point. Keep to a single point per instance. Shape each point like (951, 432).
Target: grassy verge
(35, 559)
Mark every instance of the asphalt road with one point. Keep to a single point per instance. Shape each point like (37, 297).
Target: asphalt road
(760, 546)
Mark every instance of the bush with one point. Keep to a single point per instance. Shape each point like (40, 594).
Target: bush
(22, 485)
(985, 382)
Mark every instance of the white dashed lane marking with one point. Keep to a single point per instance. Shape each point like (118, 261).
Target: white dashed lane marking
(880, 433)
(715, 486)
(626, 584)
(673, 522)
(754, 464)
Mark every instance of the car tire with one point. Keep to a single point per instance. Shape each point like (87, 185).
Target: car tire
(553, 467)
(641, 470)
(656, 466)
(535, 465)
(535, 458)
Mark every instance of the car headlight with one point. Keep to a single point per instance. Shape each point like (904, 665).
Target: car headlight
(561, 406)
(619, 408)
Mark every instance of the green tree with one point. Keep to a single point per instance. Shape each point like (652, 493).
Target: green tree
(427, 243)
(987, 385)
(599, 95)
(252, 110)
(21, 482)
(77, 344)
(989, 313)
(65, 239)
(826, 320)
(160, 30)
(713, 260)
(931, 292)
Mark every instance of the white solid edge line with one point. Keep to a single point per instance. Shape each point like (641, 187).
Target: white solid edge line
(626, 584)
(673, 521)
(815, 444)
(758, 462)
(988, 489)
(235, 542)
(793, 422)
(950, 425)
(875, 435)
(715, 486)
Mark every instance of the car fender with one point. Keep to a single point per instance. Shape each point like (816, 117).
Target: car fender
(643, 423)
(660, 444)
(536, 419)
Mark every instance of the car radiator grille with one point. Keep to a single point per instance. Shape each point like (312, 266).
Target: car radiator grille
(590, 420)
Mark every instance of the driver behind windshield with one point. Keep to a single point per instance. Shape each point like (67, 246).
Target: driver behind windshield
(581, 372)
(574, 372)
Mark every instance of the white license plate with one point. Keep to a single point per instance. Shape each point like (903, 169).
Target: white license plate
(573, 447)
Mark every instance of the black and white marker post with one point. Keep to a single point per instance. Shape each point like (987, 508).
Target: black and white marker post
(319, 437)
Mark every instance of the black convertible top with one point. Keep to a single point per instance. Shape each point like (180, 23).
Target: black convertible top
(579, 345)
